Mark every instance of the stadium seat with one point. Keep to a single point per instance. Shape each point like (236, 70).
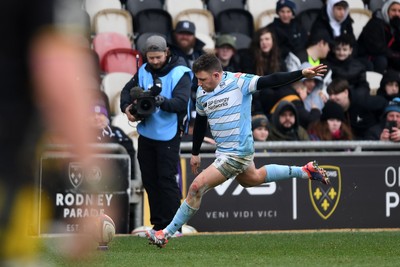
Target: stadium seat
(242, 40)
(202, 18)
(113, 20)
(111, 85)
(361, 18)
(256, 7)
(153, 20)
(374, 5)
(374, 80)
(356, 4)
(106, 41)
(174, 7)
(302, 5)
(265, 18)
(141, 40)
(207, 39)
(216, 6)
(307, 18)
(121, 121)
(235, 20)
(94, 6)
(135, 6)
(121, 60)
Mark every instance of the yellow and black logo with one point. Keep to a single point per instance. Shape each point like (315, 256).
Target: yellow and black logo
(326, 198)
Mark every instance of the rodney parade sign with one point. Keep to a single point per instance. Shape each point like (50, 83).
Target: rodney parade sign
(72, 192)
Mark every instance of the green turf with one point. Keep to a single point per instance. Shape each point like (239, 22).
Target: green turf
(356, 248)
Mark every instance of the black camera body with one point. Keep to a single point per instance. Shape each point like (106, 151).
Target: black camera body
(144, 101)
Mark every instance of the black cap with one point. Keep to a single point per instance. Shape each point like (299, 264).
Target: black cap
(185, 26)
(332, 110)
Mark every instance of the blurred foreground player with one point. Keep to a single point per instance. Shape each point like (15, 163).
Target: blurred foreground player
(224, 100)
(46, 72)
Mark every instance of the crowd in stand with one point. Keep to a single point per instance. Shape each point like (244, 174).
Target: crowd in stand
(339, 106)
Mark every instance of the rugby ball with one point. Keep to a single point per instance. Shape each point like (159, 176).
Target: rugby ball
(105, 229)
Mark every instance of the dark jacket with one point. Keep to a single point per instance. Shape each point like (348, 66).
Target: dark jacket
(377, 39)
(321, 23)
(266, 100)
(291, 37)
(351, 70)
(278, 133)
(115, 135)
(389, 76)
(363, 113)
(189, 59)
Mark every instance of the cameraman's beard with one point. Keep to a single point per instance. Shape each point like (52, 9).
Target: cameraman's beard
(158, 66)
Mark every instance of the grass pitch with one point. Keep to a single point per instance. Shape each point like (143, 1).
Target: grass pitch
(342, 248)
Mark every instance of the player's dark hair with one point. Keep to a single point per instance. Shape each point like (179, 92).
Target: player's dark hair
(207, 62)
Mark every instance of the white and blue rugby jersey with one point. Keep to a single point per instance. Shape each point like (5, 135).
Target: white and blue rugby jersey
(228, 109)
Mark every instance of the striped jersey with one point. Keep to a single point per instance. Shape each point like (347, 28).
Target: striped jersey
(228, 109)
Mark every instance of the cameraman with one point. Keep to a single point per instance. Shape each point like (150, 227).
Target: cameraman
(160, 131)
(389, 128)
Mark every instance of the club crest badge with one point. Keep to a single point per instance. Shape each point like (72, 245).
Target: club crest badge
(326, 198)
(75, 173)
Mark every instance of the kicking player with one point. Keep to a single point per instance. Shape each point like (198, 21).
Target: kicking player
(224, 100)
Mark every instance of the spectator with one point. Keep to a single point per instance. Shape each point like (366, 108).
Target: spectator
(332, 124)
(269, 102)
(225, 50)
(317, 48)
(389, 87)
(285, 124)
(316, 97)
(260, 127)
(388, 129)
(263, 56)
(186, 45)
(345, 66)
(379, 42)
(290, 35)
(160, 132)
(361, 113)
(335, 19)
(107, 133)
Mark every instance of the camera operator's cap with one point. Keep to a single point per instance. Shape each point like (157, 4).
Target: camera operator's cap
(155, 43)
(393, 105)
(286, 3)
(226, 39)
(185, 26)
